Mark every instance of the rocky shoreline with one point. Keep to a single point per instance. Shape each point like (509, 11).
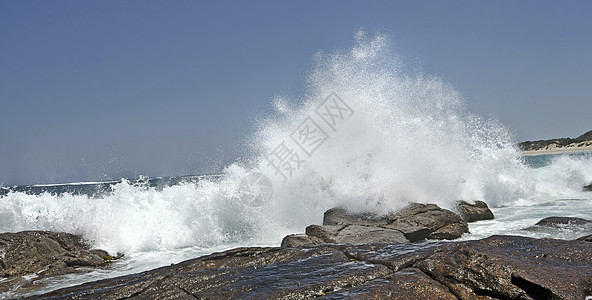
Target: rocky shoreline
(403, 255)
(582, 143)
(30, 257)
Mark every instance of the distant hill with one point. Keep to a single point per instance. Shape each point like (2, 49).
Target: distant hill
(584, 139)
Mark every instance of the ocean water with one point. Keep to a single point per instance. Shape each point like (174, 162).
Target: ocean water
(369, 134)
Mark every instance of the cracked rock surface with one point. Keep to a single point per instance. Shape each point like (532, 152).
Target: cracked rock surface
(28, 257)
(499, 267)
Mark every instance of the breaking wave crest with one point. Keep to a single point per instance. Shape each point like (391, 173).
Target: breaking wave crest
(367, 134)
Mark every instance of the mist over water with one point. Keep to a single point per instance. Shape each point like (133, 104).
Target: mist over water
(404, 137)
(408, 139)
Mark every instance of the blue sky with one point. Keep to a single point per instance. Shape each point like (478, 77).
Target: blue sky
(92, 90)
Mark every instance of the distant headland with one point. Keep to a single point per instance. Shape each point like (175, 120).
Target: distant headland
(582, 143)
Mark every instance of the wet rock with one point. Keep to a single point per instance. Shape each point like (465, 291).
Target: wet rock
(499, 267)
(474, 212)
(407, 284)
(357, 234)
(324, 233)
(440, 223)
(562, 227)
(29, 252)
(105, 255)
(558, 221)
(28, 257)
(83, 258)
(260, 273)
(588, 188)
(510, 267)
(415, 222)
(353, 234)
(300, 240)
(396, 256)
(586, 238)
(340, 216)
(413, 232)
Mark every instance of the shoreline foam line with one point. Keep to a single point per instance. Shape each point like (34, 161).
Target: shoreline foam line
(557, 150)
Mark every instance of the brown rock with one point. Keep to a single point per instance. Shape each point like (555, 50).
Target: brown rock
(299, 240)
(415, 222)
(340, 216)
(353, 234)
(324, 233)
(246, 273)
(358, 234)
(557, 221)
(413, 232)
(29, 252)
(441, 223)
(499, 267)
(510, 267)
(407, 284)
(396, 256)
(42, 254)
(474, 212)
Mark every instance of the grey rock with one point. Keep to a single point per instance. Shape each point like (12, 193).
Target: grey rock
(474, 212)
(588, 188)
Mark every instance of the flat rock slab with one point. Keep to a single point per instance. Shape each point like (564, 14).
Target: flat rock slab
(499, 267)
(266, 273)
(407, 284)
(355, 234)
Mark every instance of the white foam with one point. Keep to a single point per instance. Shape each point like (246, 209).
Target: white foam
(76, 183)
(409, 139)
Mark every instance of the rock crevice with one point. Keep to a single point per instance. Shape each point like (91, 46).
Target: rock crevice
(498, 267)
(363, 257)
